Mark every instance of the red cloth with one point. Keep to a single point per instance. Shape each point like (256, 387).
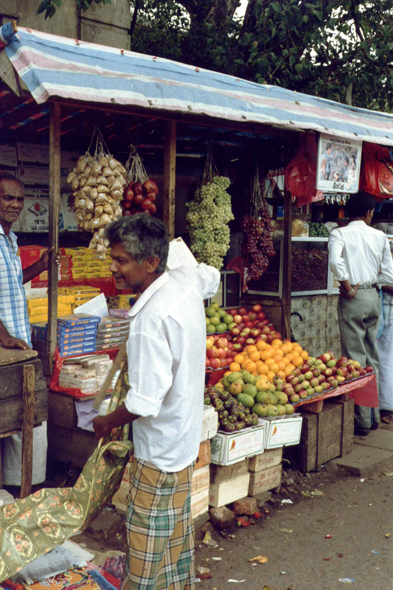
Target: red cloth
(363, 391)
(59, 360)
(301, 172)
(376, 174)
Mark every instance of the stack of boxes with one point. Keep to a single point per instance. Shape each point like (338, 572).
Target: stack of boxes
(85, 264)
(111, 332)
(76, 334)
(80, 293)
(38, 308)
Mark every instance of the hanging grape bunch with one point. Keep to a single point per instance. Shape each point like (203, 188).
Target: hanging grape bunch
(257, 246)
(208, 217)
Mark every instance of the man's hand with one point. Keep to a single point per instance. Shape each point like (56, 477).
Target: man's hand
(348, 294)
(101, 426)
(44, 260)
(11, 342)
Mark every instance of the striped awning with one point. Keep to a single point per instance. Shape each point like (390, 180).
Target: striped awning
(53, 66)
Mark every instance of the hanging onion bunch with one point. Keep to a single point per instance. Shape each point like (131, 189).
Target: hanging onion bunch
(140, 193)
(208, 217)
(257, 246)
(98, 181)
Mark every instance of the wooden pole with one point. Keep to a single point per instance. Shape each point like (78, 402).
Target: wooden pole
(54, 211)
(27, 429)
(287, 266)
(170, 177)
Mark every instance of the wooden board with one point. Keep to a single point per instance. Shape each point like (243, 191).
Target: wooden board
(10, 356)
(61, 410)
(11, 378)
(11, 411)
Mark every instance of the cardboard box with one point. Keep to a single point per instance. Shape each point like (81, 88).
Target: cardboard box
(34, 174)
(264, 480)
(8, 155)
(227, 449)
(270, 458)
(220, 473)
(283, 431)
(209, 424)
(200, 480)
(204, 455)
(200, 503)
(229, 491)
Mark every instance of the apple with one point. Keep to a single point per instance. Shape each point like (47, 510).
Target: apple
(242, 310)
(301, 378)
(241, 325)
(326, 385)
(270, 338)
(233, 312)
(314, 382)
(348, 377)
(288, 389)
(212, 352)
(237, 319)
(357, 365)
(369, 369)
(250, 341)
(240, 340)
(280, 387)
(311, 360)
(308, 375)
(230, 345)
(255, 332)
(322, 367)
(355, 374)
(350, 367)
(277, 335)
(232, 325)
(261, 315)
(265, 330)
(316, 372)
(303, 394)
(318, 389)
(331, 363)
(235, 332)
(294, 398)
(318, 362)
(209, 342)
(223, 362)
(257, 308)
(207, 362)
(343, 362)
(362, 372)
(265, 322)
(321, 378)
(306, 384)
(296, 372)
(215, 363)
(305, 368)
(245, 317)
(245, 332)
(328, 372)
(334, 383)
(342, 371)
(237, 346)
(332, 355)
(221, 353)
(294, 381)
(222, 342)
(325, 357)
(253, 316)
(298, 388)
(340, 379)
(334, 370)
(310, 391)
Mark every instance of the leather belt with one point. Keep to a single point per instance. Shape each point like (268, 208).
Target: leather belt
(374, 286)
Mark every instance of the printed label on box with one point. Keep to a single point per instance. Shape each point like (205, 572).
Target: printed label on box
(230, 448)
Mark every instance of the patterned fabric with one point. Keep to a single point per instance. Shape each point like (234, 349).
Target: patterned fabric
(13, 306)
(160, 530)
(35, 525)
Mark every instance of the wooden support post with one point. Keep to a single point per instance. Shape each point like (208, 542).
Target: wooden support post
(27, 429)
(54, 211)
(287, 275)
(170, 177)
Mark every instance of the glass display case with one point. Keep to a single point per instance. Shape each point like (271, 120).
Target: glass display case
(310, 266)
(229, 290)
(270, 283)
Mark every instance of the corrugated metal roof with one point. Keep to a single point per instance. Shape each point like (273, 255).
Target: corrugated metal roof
(53, 66)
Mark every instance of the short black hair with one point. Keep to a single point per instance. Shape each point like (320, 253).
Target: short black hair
(346, 159)
(328, 146)
(359, 204)
(8, 176)
(142, 237)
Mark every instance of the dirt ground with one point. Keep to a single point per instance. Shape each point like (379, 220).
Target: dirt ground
(356, 513)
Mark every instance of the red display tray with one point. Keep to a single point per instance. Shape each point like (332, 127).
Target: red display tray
(363, 391)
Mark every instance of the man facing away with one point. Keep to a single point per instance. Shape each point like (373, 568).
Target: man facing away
(15, 331)
(166, 368)
(360, 259)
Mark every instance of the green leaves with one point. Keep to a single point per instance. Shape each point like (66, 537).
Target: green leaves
(43, 6)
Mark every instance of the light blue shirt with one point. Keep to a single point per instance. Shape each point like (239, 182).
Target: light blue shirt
(13, 305)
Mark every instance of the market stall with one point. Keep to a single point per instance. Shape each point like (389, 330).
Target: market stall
(199, 133)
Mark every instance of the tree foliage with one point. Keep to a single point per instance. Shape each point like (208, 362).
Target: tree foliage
(336, 49)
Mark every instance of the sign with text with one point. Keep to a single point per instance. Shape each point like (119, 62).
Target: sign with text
(339, 162)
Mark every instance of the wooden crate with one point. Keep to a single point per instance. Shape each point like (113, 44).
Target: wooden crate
(325, 436)
(265, 480)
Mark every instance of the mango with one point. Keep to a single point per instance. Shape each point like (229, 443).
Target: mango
(260, 410)
(250, 390)
(246, 400)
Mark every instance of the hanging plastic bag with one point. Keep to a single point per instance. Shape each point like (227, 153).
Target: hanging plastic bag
(301, 172)
(376, 174)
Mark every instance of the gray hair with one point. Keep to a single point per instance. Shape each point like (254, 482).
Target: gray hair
(11, 178)
(142, 237)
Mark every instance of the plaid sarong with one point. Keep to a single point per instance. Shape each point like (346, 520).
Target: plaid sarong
(160, 530)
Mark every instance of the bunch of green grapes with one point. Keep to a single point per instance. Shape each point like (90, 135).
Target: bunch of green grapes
(208, 217)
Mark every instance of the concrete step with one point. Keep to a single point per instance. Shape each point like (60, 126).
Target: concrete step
(364, 460)
(378, 439)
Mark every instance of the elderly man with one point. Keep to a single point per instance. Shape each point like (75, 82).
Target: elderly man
(14, 321)
(360, 258)
(166, 368)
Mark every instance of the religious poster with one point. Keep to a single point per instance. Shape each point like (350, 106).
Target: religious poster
(338, 167)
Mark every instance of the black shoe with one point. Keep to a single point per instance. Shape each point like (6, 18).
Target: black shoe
(361, 431)
(375, 426)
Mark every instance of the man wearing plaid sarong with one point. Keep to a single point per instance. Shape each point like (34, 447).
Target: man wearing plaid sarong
(166, 368)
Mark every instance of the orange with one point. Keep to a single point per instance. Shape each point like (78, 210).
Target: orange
(227, 373)
(269, 361)
(251, 348)
(274, 367)
(285, 348)
(290, 356)
(238, 358)
(304, 355)
(255, 373)
(262, 369)
(297, 348)
(276, 357)
(288, 369)
(281, 365)
(261, 345)
(255, 356)
(250, 366)
(234, 367)
(286, 360)
(270, 376)
(245, 363)
(297, 361)
(281, 374)
(265, 354)
(277, 342)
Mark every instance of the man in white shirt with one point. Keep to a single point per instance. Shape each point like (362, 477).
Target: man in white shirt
(166, 369)
(360, 258)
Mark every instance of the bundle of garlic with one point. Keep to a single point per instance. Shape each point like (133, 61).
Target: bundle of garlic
(98, 183)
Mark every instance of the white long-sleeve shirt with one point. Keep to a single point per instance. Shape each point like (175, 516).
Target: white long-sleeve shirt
(360, 254)
(166, 366)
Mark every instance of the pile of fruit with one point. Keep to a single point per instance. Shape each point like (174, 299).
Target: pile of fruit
(251, 327)
(208, 217)
(218, 320)
(318, 375)
(139, 198)
(241, 398)
(219, 352)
